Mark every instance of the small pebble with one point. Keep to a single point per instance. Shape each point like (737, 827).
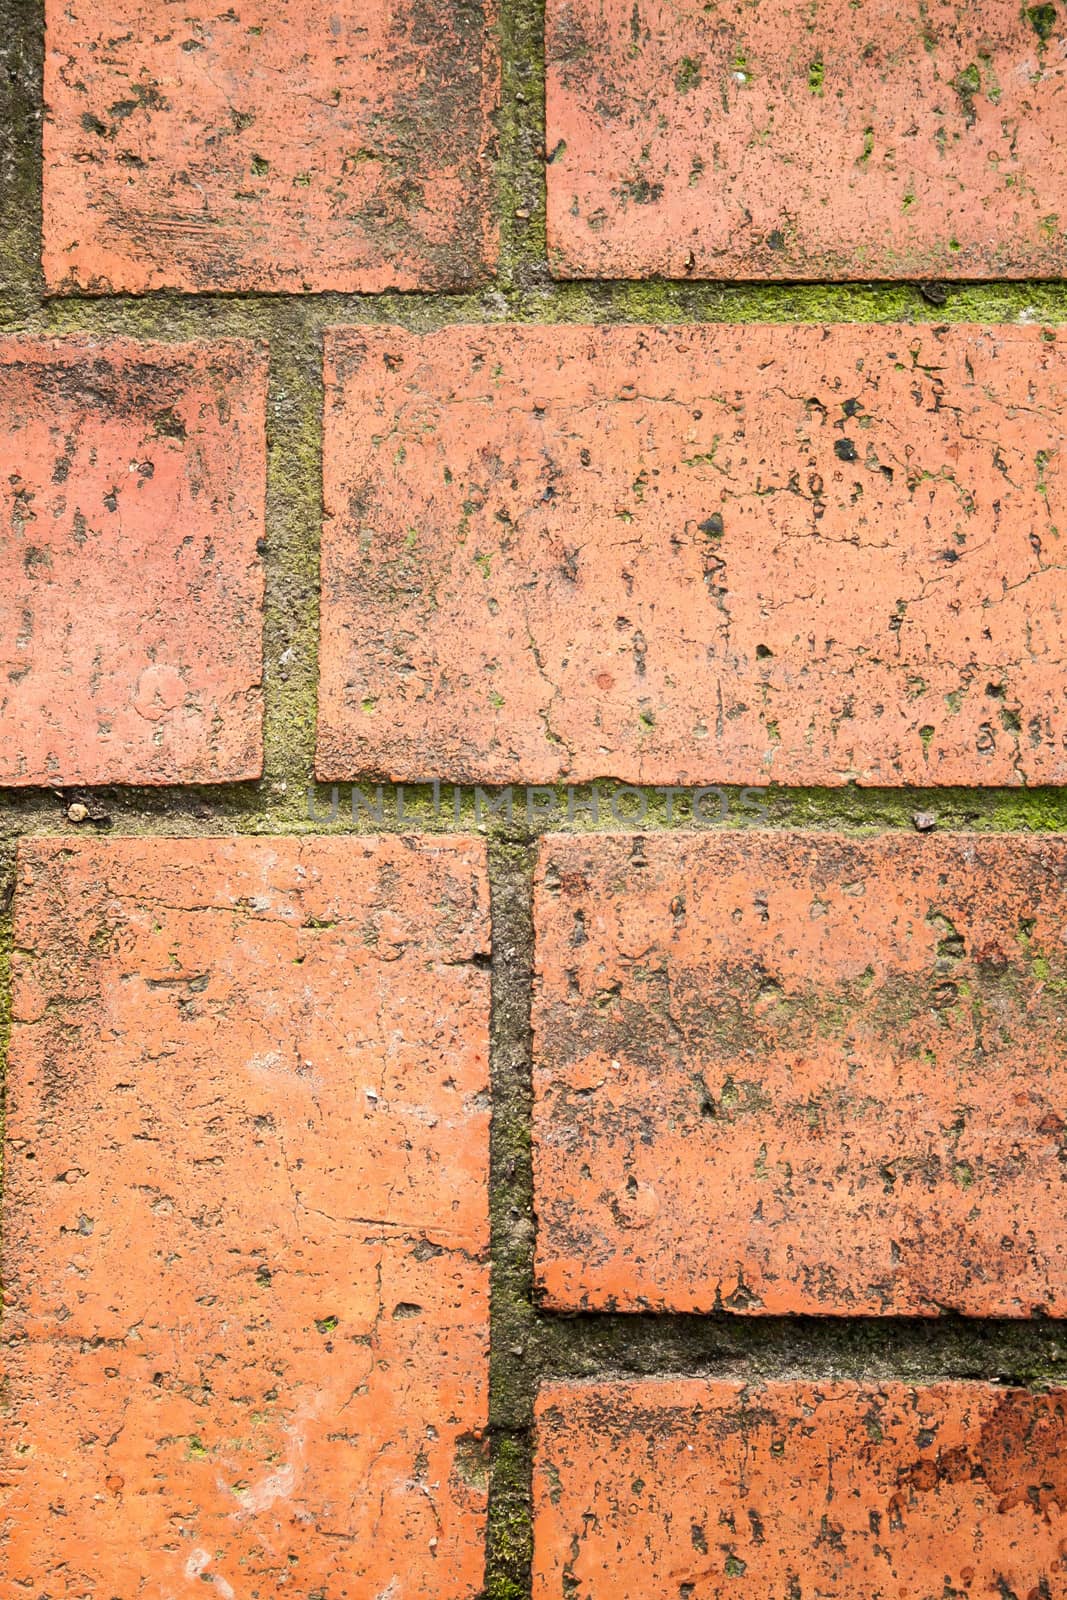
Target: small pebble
(924, 821)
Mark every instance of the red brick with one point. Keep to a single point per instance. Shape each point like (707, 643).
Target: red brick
(278, 147)
(831, 140)
(246, 1237)
(131, 589)
(685, 555)
(795, 1072)
(685, 1487)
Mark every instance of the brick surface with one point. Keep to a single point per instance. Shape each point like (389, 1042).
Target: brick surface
(281, 147)
(788, 1072)
(835, 139)
(687, 555)
(130, 581)
(714, 1489)
(246, 1279)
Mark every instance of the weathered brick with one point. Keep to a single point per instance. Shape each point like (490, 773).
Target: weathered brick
(278, 147)
(686, 1487)
(246, 1234)
(702, 554)
(794, 1072)
(831, 140)
(131, 588)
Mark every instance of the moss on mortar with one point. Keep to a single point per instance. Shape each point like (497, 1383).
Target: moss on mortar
(513, 1366)
(7, 887)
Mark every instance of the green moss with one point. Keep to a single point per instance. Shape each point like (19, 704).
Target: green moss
(510, 1539)
(520, 168)
(688, 75)
(967, 85)
(288, 803)
(666, 301)
(515, 1363)
(1043, 21)
(294, 517)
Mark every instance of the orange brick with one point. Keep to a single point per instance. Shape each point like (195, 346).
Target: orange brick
(837, 139)
(279, 147)
(695, 555)
(784, 1072)
(246, 1236)
(684, 1487)
(131, 589)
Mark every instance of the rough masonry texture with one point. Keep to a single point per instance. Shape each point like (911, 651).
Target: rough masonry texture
(131, 586)
(814, 555)
(673, 1165)
(707, 1489)
(836, 139)
(246, 1273)
(789, 1072)
(288, 146)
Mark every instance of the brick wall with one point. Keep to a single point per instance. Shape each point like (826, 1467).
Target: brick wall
(533, 755)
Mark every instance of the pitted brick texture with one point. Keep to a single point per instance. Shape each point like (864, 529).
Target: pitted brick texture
(131, 586)
(715, 1489)
(835, 139)
(692, 555)
(246, 1234)
(288, 146)
(779, 1072)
